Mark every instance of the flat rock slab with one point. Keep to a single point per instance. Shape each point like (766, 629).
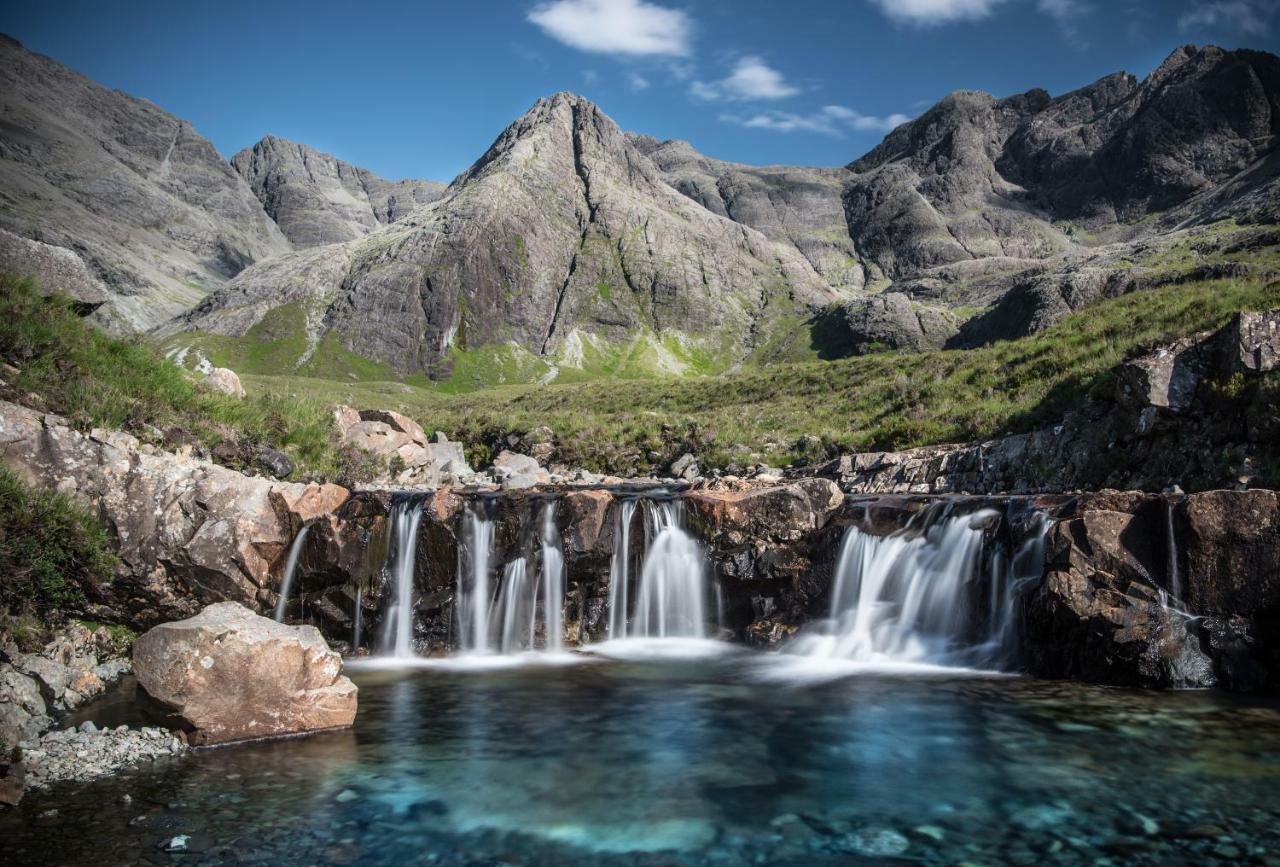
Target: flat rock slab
(228, 674)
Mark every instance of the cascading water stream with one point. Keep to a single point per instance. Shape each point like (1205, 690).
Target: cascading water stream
(473, 581)
(620, 571)
(406, 515)
(912, 597)
(516, 611)
(290, 565)
(552, 580)
(671, 594)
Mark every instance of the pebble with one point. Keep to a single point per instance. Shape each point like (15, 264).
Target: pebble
(874, 842)
(176, 844)
(86, 753)
(345, 796)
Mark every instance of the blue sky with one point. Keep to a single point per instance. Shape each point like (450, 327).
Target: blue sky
(421, 89)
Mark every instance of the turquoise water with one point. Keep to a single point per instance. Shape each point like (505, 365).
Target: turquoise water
(718, 760)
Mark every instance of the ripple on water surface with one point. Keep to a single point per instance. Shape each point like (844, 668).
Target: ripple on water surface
(646, 755)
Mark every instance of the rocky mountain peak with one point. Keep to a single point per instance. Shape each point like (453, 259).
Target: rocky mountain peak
(319, 199)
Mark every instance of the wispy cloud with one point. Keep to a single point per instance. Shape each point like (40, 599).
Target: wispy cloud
(629, 27)
(928, 13)
(833, 120)
(1067, 14)
(751, 79)
(637, 82)
(1251, 17)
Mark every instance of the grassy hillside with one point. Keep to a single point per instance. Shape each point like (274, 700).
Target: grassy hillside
(99, 381)
(778, 413)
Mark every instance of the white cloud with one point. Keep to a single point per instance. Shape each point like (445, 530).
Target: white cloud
(630, 27)
(637, 82)
(833, 120)
(1067, 15)
(1251, 17)
(927, 13)
(751, 78)
(590, 76)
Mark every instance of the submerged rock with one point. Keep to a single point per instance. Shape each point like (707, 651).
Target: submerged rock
(229, 675)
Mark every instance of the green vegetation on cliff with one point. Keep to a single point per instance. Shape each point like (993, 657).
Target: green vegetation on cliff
(50, 550)
(883, 401)
(94, 380)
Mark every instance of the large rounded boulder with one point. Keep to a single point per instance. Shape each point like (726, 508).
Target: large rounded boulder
(228, 674)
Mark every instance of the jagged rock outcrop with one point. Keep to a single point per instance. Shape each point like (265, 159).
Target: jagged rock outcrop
(56, 268)
(889, 321)
(1173, 420)
(228, 674)
(318, 199)
(411, 458)
(562, 242)
(801, 207)
(1156, 590)
(146, 203)
(188, 532)
(975, 176)
(77, 665)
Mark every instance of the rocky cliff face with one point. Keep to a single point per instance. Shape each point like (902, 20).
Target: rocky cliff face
(562, 241)
(144, 201)
(188, 532)
(317, 199)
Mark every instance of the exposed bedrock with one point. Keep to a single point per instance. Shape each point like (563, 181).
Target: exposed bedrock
(1194, 413)
(188, 532)
(1154, 590)
(1136, 589)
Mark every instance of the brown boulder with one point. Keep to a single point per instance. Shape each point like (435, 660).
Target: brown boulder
(229, 675)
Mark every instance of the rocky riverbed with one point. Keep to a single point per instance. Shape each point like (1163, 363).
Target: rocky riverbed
(88, 752)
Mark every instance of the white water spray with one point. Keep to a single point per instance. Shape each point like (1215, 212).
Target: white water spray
(620, 571)
(474, 595)
(552, 580)
(290, 565)
(406, 515)
(904, 597)
(671, 597)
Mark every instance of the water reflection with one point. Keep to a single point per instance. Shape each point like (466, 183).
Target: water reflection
(695, 761)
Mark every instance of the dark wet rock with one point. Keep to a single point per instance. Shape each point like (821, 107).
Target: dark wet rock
(229, 675)
(1124, 602)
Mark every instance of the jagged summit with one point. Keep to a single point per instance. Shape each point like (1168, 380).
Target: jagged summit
(318, 199)
(562, 242)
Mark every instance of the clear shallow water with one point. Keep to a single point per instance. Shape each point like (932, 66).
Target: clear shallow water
(719, 759)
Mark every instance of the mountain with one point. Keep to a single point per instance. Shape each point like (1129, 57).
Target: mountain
(561, 249)
(571, 249)
(146, 203)
(318, 199)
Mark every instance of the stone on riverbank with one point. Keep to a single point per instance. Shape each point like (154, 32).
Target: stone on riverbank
(88, 752)
(229, 675)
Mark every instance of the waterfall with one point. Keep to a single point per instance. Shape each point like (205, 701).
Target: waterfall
(552, 580)
(516, 611)
(620, 571)
(290, 564)
(911, 597)
(406, 514)
(1171, 541)
(473, 581)
(358, 625)
(670, 599)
